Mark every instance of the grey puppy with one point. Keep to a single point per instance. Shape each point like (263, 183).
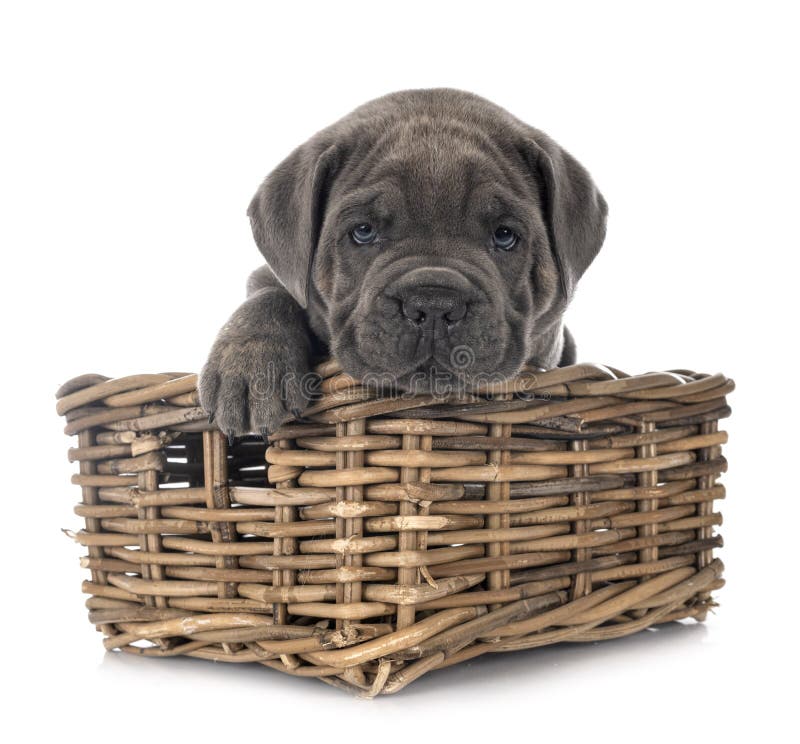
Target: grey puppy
(428, 238)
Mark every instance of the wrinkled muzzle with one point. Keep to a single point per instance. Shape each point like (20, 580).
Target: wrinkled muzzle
(428, 329)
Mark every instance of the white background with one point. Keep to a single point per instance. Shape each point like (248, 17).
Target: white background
(133, 136)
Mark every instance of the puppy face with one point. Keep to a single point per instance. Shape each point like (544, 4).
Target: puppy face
(429, 264)
(432, 237)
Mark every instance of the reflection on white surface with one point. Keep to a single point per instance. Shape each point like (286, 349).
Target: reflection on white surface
(549, 666)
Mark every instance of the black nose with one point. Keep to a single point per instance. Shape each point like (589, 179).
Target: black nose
(427, 306)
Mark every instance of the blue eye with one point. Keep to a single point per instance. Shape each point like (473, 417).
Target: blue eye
(504, 238)
(364, 234)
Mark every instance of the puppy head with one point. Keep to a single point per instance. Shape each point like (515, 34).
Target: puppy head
(433, 237)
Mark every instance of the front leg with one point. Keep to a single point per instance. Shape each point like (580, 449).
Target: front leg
(258, 371)
(569, 350)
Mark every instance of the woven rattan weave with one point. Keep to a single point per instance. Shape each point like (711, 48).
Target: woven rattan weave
(386, 537)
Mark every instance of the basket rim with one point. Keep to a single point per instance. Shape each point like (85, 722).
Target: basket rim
(533, 395)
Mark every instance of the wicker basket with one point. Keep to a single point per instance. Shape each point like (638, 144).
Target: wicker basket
(399, 535)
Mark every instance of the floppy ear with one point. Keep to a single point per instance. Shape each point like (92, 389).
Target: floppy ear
(286, 214)
(575, 211)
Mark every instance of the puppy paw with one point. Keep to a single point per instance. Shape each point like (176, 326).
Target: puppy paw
(254, 384)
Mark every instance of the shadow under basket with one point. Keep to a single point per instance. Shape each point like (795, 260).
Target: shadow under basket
(381, 538)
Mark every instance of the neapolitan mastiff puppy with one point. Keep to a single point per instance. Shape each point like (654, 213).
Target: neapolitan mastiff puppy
(428, 238)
